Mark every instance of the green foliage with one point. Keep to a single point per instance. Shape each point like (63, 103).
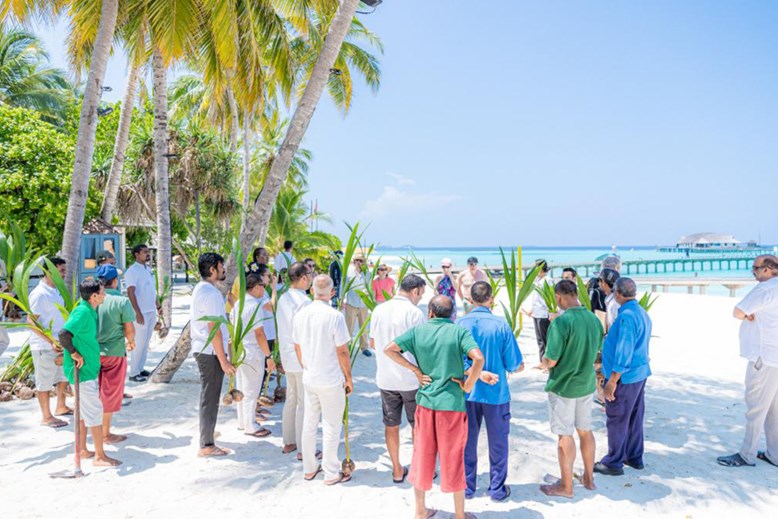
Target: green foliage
(547, 293)
(495, 284)
(21, 367)
(418, 265)
(646, 301)
(13, 250)
(518, 290)
(583, 293)
(36, 163)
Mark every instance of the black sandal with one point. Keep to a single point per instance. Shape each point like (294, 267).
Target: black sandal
(763, 456)
(402, 479)
(734, 460)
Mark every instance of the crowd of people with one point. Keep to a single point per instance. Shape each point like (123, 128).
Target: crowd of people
(448, 375)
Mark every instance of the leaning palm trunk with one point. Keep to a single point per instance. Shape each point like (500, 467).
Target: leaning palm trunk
(87, 126)
(257, 222)
(120, 146)
(164, 238)
(246, 170)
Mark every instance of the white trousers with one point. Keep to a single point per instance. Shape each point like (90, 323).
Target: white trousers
(293, 409)
(327, 403)
(248, 380)
(761, 411)
(143, 333)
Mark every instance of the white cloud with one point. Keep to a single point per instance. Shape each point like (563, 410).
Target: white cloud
(402, 180)
(397, 201)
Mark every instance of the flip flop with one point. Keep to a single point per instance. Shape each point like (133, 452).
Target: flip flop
(287, 450)
(311, 478)
(342, 478)
(734, 460)
(763, 456)
(215, 452)
(55, 423)
(402, 479)
(66, 413)
(260, 433)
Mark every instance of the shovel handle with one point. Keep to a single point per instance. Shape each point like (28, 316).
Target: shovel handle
(77, 416)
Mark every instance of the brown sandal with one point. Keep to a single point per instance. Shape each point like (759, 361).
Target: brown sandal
(260, 433)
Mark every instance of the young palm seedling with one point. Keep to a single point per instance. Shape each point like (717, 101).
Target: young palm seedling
(547, 293)
(517, 290)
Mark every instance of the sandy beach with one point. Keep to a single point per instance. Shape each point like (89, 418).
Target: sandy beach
(694, 413)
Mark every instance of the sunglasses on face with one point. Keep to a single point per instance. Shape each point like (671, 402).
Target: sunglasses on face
(445, 266)
(381, 270)
(757, 267)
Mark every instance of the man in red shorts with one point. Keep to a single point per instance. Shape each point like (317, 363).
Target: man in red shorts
(440, 347)
(115, 317)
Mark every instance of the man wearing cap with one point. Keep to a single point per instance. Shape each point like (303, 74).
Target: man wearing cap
(115, 318)
(142, 291)
(607, 280)
(625, 366)
(106, 258)
(467, 279)
(356, 310)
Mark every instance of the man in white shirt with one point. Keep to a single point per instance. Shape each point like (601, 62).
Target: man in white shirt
(249, 374)
(321, 342)
(398, 385)
(142, 291)
(356, 310)
(607, 280)
(44, 299)
(759, 345)
(212, 358)
(284, 259)
(290, 303)
(539, 310)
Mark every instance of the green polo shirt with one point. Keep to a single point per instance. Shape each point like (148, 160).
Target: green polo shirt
(439, 347)
(115, 311)
(573, 340)
(82, 323)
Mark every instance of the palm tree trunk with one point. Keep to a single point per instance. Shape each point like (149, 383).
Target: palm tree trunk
(120, 146)
(246, 170)
(85, 145)
(258, 220)
(162, 188)
(234, 124)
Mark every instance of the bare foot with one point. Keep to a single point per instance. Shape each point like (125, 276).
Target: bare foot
(556, 490)
(588, 482)
(105, 461)
(85, 454)
(213, 452)
(114, 438)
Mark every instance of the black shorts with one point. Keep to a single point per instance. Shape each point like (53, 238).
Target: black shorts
(392, 403)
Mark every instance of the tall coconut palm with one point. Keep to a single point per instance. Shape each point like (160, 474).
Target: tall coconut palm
(85, 145)
(26, 79)
(257, 223)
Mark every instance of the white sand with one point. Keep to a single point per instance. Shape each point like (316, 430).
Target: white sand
(694, 413)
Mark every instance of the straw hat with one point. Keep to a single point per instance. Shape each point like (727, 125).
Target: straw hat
(385, 266)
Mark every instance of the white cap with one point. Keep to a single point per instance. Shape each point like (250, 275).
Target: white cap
(447, 262)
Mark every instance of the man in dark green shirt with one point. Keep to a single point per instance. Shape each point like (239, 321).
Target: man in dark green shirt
(114, 324)
(440, 430)
(79, 339)
(574, 338)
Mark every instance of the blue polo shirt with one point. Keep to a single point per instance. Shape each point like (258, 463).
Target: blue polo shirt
(501, 353)
(625, 349)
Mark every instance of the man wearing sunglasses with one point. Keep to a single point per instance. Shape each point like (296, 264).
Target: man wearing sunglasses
(356, 310)
(759, 345)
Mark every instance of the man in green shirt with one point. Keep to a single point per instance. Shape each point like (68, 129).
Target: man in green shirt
(114, 324)
(79, 339)
(574, 338)
(439, 347)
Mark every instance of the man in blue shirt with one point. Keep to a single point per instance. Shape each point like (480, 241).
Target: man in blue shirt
(625, 366)
(490, 399)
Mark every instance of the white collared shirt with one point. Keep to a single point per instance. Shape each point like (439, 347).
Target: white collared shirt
(142, 278)
(43, 303)
(319, 329)
(390, 320)
(611, 308)
(288, 306)
(283, 261)
(207, 300)
(358, 283)
(539, 308)
(250, 344)
(268, 319)
(759, 338)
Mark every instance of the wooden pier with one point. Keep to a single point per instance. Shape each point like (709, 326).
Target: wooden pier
(658, 266)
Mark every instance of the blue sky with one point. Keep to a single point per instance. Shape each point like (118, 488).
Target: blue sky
(553, 123)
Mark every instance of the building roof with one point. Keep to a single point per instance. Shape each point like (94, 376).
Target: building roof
(708, 237)
(98, 226)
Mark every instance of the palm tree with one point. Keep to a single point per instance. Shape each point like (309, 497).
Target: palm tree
(257, 223)
(85, 144)
(26, 80)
